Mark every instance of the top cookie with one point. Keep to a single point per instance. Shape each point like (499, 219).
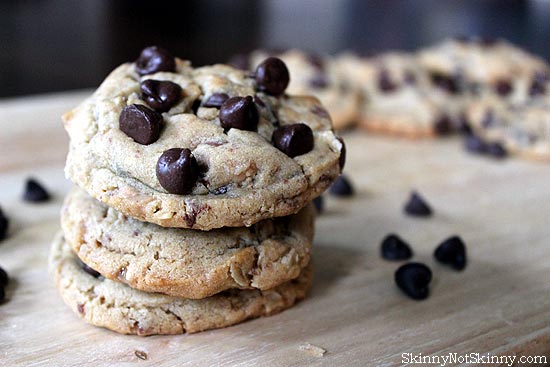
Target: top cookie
(201, 148)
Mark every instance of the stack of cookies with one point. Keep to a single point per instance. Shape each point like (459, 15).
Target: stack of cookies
(192, 207)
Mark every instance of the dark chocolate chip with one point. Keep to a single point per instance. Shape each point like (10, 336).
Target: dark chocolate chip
(90, 270)
(342, 159)
(160, 95)
(154, 59)
(216, 100)
(503, 87)
(293, 140)
(35, 192)
(4, 224)
(177, 171)
(272, 76)
(443, 125)
(239, 113)
(414, 280)
(445, 82)
(140, 123)
(475, 144)
(4, 279)
(452, 252)
(496, 150)
(319, 203)
(240, 61)
(319, 81)
(342, 187)
(394, 248)
(385, 84)
(417, 206)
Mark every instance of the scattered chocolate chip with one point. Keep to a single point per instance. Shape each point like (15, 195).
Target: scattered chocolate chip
(177, 171)
(496, 150)
(154, 59)
(475, 144)
(216, 100)
(319, 81)
(452, 252)
(342, 187)
(414, 279)
(239, 113)
(90, 270)
(35, 192)
(385, 84)
(443, 125)
(4, 224)
(342, 159)
(293, 140)
(140, 123)
(394, 248)
(4, 279)
(319, 203)
(417, 206)
(160, 95)
(503, 87)
(272, 76)
(240, 61)
(445, 82)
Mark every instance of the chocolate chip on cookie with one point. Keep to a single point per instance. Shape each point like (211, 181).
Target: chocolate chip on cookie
(4, 223)
(394, 248)
(503, 87)
(154, 59)
(452, 252)
(272, 76)
(293, 140)
(216, 100)
(342, 187)
(177, 171)
(35, 192)
(385, 84)
(140, 123)
(239, 113)
(414, 280)
(417, 206)
(160, 95)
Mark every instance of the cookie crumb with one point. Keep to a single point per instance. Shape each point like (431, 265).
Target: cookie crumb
(141, 354)
(312, 350)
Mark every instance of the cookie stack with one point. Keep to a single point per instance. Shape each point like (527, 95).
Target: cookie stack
(192, 209)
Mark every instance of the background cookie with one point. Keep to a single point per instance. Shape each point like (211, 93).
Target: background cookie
(105, 303)
(182, 262)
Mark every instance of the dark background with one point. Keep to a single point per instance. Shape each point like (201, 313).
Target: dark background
(55, 45)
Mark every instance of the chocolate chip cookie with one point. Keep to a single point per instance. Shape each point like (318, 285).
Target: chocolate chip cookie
(201, 148)
(183, 262)
(115, 306)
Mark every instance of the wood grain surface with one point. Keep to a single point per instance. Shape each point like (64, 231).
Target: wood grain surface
(500, 304)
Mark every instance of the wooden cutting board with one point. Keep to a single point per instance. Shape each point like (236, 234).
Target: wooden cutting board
(500, 304)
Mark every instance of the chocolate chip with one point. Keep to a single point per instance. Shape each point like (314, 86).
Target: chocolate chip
(160, 95)
(452, 252)
(414, 280)
(503, 87)
(90, 271)
(4, 224)
(319, 81)
(394, 248)
(342, 187)
(417, 206)
(342, 159)
(496, 150)
(154, 59)
(177, 171)
(445, 82)
(239, 113)
(140, 123)
(475, 144)
(35, 192)
(240, 61)
(272, 76)
(319, 203)
(216, 100)
(293, 140)
(385, 84)
(443, 125)
(4, 279)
